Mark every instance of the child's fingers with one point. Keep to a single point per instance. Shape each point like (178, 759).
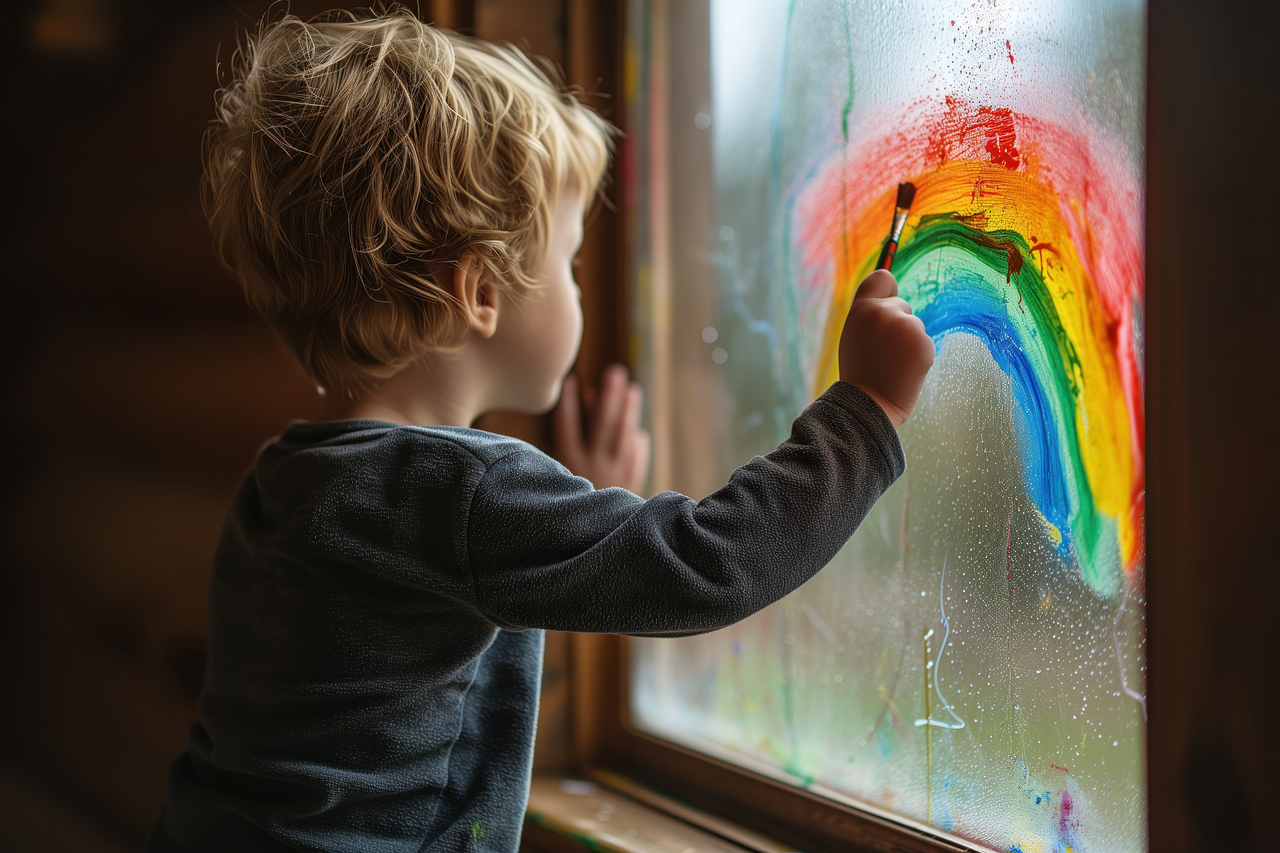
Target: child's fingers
(639, 467)
(901, 304)
(566, 420)
(878, 285)
(629, 422)
(609, 409)
(635, 405)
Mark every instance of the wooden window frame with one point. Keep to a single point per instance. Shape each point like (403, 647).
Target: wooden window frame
(1212, 468)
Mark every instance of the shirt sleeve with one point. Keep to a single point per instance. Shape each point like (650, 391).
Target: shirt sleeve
(546, 550)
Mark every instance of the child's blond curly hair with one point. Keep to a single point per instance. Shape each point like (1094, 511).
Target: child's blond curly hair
(355, 159)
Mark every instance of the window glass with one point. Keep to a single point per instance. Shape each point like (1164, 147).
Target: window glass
(973, 658)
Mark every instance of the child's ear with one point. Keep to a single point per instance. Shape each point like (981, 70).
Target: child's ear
(476, 298)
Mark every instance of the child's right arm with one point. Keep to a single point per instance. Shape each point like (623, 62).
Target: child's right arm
(546, 550)
(884, 350)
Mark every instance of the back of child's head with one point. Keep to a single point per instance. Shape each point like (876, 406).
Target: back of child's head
(355, 160)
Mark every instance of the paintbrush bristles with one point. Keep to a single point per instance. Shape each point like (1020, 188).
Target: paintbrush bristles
(906, 195)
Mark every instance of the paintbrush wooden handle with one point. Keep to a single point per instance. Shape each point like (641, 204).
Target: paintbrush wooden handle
(886, 255)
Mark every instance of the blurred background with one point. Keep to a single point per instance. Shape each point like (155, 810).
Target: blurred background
(138, 388)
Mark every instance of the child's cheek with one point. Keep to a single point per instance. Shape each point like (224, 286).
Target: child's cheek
(576, 335)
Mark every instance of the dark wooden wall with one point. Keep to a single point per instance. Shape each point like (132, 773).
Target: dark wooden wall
(1213, 435)
(138, 386)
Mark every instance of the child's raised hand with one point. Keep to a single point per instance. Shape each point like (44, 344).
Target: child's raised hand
(615, 451)
(884, 349)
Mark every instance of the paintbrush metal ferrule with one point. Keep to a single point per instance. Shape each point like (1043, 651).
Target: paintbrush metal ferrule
(906, 195)
(899, 222)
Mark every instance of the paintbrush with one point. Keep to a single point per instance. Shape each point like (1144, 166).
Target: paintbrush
(906, 195)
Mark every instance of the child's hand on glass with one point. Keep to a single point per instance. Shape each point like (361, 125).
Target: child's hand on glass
(615, 451)
(884, 349)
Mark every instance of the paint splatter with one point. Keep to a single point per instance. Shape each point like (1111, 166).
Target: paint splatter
(1001, 138)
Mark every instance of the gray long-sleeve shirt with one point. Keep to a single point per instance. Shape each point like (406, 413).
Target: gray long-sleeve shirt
(372, 683)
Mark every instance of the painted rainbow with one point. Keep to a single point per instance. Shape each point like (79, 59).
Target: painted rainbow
(1027, 236)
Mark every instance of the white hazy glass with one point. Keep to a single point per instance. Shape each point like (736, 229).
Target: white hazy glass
(1037, 736)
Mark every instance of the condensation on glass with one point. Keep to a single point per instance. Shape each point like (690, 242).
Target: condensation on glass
(973, 658)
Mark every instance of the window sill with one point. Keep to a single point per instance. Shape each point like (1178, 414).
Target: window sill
(615, 814)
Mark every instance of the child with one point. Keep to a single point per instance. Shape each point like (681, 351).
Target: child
(403, 206)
